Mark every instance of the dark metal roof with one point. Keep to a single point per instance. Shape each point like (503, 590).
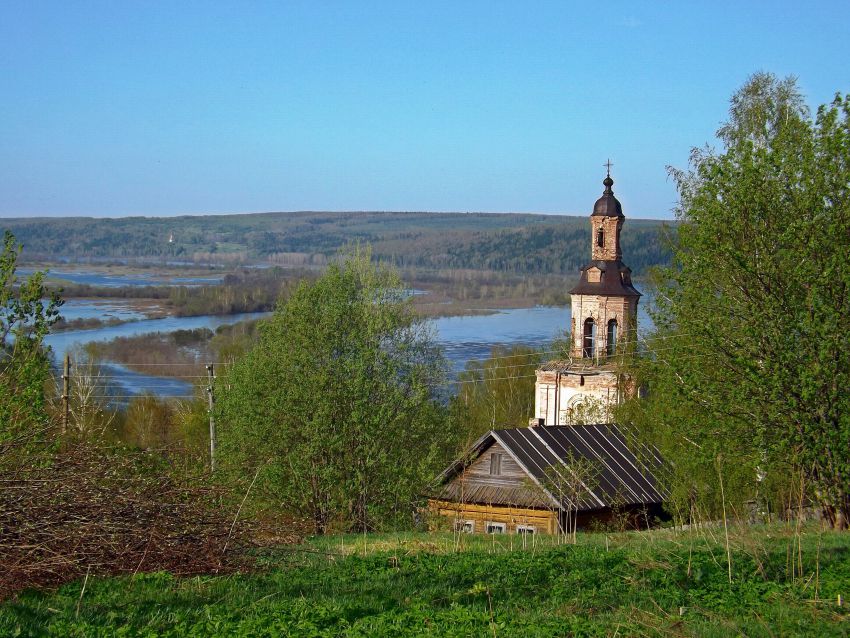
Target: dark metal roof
(607, 205)
(624, 471)
(615, 280)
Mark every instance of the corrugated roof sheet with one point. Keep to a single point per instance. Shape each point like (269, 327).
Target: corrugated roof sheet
(621, 473)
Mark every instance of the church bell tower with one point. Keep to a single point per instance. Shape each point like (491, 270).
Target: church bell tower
(604, 321)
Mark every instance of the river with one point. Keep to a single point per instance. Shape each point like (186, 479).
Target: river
(463, 338)
(114, 280)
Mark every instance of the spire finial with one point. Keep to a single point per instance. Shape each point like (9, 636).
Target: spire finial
(608, 182)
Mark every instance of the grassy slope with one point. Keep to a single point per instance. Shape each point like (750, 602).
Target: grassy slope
(414, 584)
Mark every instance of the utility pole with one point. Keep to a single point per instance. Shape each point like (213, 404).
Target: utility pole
(66, 393)
(211, 399)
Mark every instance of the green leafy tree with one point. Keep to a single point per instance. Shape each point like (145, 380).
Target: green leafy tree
(497, 392)
(148, 423)
(26, 314)
(749, 369)
(334, 409)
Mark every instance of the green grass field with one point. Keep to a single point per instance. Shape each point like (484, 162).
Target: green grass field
(659, 583)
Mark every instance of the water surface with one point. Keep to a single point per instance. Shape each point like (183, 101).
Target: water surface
(105, 280)
(463, 338)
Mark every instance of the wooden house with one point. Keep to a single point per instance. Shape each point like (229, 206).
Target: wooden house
(524, 480)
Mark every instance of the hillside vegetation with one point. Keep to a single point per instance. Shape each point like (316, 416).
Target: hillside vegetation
(627, 584)
(517, 243)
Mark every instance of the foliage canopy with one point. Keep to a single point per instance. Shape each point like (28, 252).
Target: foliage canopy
(26, 314)
(751, 360)
(334, 409)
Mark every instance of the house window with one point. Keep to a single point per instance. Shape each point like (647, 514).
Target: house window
(589, 342)
(526, 529)
(600, 238)
(612, 337)
(467, 527)
(495, 464)
(496, 528)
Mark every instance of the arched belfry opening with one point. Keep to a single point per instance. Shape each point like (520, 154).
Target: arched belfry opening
(600, 237)
(611, 338)
(589, 340)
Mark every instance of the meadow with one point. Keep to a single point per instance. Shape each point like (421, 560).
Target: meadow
(775, 580)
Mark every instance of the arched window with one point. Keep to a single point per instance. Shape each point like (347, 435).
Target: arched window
(589, 341)
(611, 344)
(600, 237)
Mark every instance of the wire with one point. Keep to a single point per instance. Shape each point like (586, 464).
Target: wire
(434, 385)
(125, 376)
(459, 381)
(200, 363)
(167, 381)
(141, 395)
(535, 353)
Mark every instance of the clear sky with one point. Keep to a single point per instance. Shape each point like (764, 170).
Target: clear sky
(162, 108)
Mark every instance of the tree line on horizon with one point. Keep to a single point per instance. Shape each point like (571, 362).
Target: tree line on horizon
(509, 243)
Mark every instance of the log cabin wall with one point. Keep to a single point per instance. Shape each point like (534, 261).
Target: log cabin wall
(543, 521)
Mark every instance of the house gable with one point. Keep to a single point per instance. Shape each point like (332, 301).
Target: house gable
(475, 483)
(509, 473)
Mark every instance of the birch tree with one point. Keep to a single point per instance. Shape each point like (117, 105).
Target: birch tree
(335, 407)
(751, 360)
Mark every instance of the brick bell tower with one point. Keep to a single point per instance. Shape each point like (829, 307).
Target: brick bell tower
(604, 321)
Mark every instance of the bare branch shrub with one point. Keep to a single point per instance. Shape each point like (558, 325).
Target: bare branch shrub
(89, 510)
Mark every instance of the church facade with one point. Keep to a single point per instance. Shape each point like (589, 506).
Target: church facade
(602, 329)
(511, 480)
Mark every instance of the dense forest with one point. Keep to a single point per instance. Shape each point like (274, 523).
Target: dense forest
(516, 243)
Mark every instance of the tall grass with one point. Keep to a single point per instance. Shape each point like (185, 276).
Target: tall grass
(663, 582)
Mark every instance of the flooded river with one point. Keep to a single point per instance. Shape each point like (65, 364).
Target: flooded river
(463, 338)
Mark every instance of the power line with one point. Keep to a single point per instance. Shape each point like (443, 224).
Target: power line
(124, 376)
(164, 379)
(139, 396)
(167, 381)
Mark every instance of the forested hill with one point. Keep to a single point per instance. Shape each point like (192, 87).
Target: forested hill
(506, 242)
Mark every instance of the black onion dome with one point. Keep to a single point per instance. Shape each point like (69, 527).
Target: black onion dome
(607, 205)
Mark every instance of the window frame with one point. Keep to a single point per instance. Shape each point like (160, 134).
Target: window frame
(495, 463)
(589, 337)
(502, 527)
(465, 526)
(611, 337)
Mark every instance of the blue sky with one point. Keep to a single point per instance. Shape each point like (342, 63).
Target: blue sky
(162, 108)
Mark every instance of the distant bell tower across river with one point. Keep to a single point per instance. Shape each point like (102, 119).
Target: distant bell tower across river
(583, 386)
